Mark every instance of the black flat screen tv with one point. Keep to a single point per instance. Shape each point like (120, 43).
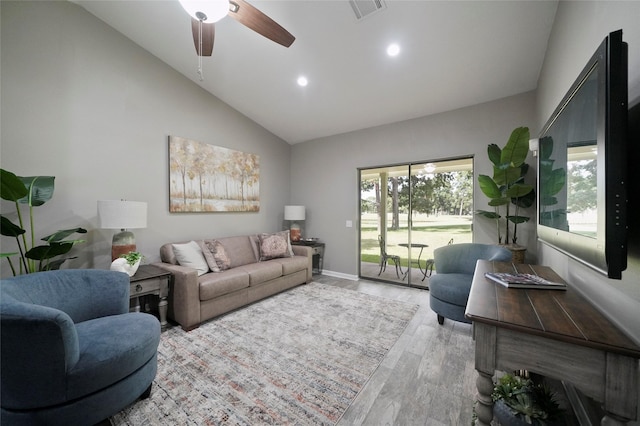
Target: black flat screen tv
(582, 165)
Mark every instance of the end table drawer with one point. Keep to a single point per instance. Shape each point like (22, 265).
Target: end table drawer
(139, 288)
(316, 250)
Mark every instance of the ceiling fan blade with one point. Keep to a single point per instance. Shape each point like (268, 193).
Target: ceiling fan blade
(208, 32)
(252, 18)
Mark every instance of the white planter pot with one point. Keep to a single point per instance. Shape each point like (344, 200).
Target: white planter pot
(121, 265)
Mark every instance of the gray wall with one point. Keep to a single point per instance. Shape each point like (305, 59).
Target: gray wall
(578, 30)
(83, 103)
(324, 172)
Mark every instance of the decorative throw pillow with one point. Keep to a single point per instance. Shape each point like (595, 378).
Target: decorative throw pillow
(273, 246)
(220, 255)
(254, 239)
(208, 250)
(286, 235)
(190, 254)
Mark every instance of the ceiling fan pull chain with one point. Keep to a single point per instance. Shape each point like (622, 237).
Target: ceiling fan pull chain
(200, 73)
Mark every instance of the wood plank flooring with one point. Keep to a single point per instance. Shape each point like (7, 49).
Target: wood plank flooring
(427, 378)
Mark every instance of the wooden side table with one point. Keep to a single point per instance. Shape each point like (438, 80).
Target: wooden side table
(150, 279)
(317, 253)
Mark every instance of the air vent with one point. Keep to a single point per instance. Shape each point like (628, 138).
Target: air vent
(364, 8)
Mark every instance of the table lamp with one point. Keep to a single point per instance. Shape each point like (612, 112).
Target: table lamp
(123, 215)
(294, 213)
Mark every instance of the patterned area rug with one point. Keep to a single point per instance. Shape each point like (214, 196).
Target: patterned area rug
(299, 357)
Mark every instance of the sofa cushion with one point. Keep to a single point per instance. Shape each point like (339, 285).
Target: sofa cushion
(167, 255)
(239, 250)
(292, 264)
(263, 271)
(190, 255)
(214, 285)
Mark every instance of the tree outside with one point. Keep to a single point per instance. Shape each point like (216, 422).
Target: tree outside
(440, 204)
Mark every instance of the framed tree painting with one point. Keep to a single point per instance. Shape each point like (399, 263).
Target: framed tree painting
(209, 178)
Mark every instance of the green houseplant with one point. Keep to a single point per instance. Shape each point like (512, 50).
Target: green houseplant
(506, 189)
(32, 191)
(127, 263)
(521, 401)
(132, 257)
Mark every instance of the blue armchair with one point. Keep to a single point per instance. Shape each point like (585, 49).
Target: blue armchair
(455, 264)
(71, 353)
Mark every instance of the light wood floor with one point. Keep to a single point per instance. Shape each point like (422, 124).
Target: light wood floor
(427, 378)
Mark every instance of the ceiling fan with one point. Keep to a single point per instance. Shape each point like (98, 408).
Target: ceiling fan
(205, 13)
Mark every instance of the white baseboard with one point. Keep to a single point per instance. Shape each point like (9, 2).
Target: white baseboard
(340, 275)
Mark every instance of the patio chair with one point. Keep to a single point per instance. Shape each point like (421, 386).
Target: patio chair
(430, 262)
(384, 258)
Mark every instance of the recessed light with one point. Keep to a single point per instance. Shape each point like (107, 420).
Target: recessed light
(393, 49)
(302, 81)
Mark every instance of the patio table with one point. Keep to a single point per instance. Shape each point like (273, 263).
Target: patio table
(421, 247)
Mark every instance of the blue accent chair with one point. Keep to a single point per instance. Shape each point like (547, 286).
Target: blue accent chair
(455, 264)
(72, 354)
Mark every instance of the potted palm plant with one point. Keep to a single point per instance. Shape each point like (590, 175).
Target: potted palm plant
(506, 189)
(32, 191)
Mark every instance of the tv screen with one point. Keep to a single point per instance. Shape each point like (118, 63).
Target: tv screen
(582, 165)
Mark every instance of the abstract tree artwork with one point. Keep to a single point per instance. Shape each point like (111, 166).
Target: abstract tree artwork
(209, 178)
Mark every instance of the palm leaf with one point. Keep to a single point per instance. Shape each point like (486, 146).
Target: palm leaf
(489, 187)
(517, 148)
(11, 187)
(62, 234)
(40, 190)
(9, 229)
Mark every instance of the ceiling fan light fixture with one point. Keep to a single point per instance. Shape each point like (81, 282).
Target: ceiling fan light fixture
(206, 11)
(393, 49)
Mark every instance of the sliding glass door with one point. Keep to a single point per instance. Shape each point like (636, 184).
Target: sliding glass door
(408, 210)
(383, 223)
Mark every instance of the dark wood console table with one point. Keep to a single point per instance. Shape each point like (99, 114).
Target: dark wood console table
(554, 333)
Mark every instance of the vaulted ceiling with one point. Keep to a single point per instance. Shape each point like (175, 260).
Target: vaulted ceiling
(452, 54)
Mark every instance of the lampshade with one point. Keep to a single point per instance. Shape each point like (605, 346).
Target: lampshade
(294, 213)
(534, 145)
(120, 214)
(207, 11)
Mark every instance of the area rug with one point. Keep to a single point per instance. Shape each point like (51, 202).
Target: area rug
(299, 357)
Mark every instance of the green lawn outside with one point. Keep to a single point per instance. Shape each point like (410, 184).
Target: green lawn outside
(434, 231)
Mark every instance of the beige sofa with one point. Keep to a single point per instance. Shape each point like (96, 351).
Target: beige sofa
(197, 295)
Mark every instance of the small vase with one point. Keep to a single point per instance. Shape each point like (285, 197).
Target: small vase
(121, 265)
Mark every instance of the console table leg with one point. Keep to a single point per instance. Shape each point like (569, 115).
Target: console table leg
(484, 408)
